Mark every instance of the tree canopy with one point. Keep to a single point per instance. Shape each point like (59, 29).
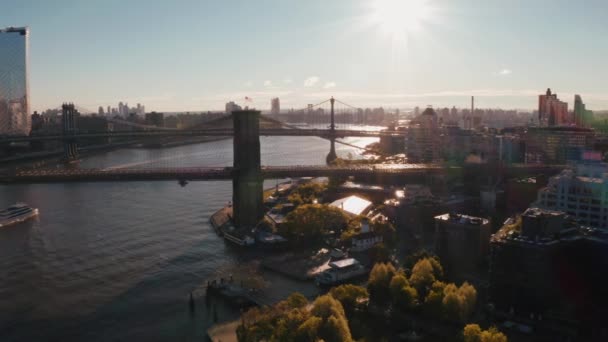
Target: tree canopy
(473, 333)
(379, 281)
(311, 221)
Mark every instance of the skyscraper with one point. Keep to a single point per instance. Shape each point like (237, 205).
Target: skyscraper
(14, 91)
(275, 106)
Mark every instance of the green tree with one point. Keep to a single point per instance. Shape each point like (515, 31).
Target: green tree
(468, 299)
(309, 330)
(349, 296)
(334, 326)
(310, 221)
(451, 303)
(387, 230)
(306, 193)
(433, 303)
(473, 333)
(296, 301)
(493, 335)
(423, 276)
(403, 296)
(379, 281)
(379, 253)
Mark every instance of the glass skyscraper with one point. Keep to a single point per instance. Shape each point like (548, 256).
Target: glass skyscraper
(14, 92)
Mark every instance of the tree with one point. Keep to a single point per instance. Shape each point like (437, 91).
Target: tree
(473, 333)
(306, 193)
(296, 301)
(379, 281)
(311, 221)
(493, 335)
(403, 296)
(379, 253)
(349, 296)
(459, 302)
(468, 299)
(433, 303)
(387, 230)
(422, 276)
(451, 303)
(334, 326)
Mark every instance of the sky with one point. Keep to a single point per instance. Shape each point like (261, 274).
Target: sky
(192, 55)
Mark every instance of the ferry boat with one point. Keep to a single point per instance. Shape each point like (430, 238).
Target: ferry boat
(341, 271)
(16, 213)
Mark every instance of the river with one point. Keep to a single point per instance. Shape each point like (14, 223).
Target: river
(117, 261)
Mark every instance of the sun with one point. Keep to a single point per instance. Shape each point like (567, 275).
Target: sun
(400, 18)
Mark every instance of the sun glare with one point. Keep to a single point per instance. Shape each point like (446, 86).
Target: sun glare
(400, 18)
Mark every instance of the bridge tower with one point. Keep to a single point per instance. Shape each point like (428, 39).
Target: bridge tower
(70, 147)
(247, 184)
(332, 156)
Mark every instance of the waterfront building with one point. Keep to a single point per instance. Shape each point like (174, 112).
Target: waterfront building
(365, 239)
(14, 81)
(552, 111)
(353, 205)
(275, 106)
(581, 192)
(462, 242)
(547, 270)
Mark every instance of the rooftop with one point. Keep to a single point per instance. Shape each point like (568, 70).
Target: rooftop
(343, 263)
(354, 205)
(462, 219)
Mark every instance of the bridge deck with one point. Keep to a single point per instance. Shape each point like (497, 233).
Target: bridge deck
(267, 172)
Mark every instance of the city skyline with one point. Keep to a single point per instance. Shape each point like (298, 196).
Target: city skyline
(198, 56)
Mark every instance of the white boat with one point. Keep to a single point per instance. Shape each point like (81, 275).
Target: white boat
(16, 213)
(341, 271)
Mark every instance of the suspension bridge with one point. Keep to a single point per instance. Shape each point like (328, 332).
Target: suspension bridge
(247, 173)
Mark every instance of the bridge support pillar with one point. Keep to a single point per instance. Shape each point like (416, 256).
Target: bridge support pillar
(332, 155)
(247, 184)
(70, 147)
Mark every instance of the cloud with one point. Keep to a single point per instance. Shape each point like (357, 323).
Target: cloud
(267, 83)
(311, 81)
(329, 85)
(504, 72)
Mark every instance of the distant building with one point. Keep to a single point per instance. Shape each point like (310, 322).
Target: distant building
(14, 81)
(547, 270)
(462, 242)
(232, 107)
(552, 111)
(100, 111)
(557, 144)
(581, 193)
(353, 205)
(155, 119)
(422, 142)
(275, 106)
(582, 116)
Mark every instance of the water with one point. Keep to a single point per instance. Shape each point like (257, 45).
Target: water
(117, 261)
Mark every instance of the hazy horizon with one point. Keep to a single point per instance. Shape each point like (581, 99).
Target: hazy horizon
(197, 55)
